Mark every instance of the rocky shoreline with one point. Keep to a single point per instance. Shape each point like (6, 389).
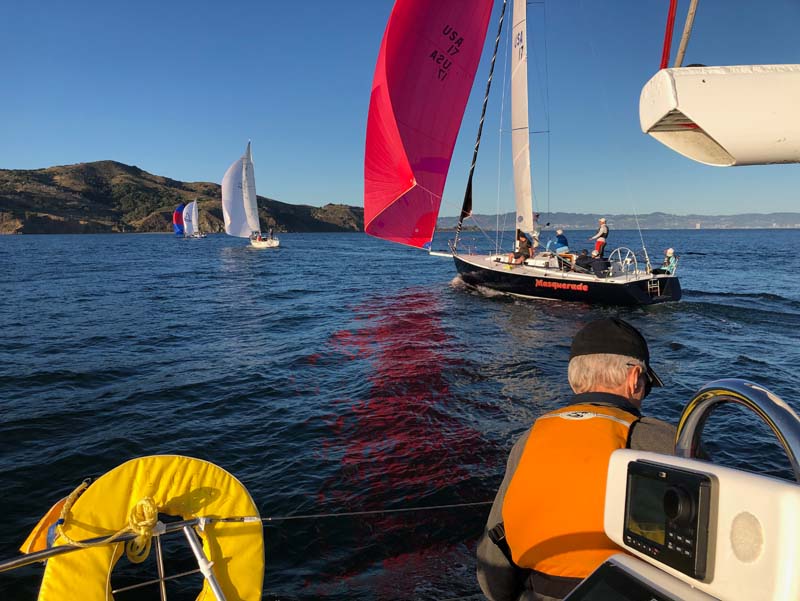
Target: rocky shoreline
(111, 197)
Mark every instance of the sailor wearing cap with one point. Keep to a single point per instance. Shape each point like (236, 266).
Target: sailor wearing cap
(545, 529)
(600, 236)
(669, 264)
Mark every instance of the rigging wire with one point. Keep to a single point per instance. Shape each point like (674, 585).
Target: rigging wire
(273, 519)
(314, 516)
(72, 546)
(545, 102)
(498, 237)
(625, 165)
(466, 208)
(641, 237)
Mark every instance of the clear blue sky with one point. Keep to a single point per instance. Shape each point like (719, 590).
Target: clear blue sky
(178, 87)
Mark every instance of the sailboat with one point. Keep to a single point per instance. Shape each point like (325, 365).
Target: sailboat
(191, 221)
(424, 73)
(239, 205)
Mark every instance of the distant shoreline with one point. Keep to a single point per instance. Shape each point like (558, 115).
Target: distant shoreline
(442, 230)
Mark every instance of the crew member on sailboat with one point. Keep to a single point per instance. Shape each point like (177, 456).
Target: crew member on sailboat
(669, 264)
(558, 469)
(560, 244)
(524, 249)
(600, 236)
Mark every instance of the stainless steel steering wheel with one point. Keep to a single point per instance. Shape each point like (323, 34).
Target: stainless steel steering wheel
(780, 418)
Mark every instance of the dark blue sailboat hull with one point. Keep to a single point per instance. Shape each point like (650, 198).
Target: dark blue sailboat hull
(566, 286)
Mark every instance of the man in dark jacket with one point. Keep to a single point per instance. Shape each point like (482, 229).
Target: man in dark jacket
(550, 503)
(599, 265)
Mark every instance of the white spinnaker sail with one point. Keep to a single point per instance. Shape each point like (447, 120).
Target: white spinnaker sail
(190, 219)
(249, 191)
(520, 132)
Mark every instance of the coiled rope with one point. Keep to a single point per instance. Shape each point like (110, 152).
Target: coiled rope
(141, 522)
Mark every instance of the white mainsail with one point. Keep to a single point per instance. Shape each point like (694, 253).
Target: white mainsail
(239, 208)
(249, 191)
(190, 219)
(520, 132)
(195, 217)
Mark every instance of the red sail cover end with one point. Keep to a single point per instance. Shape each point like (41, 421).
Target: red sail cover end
(426, 66)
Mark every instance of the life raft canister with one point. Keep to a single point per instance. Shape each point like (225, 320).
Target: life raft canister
(180, 486)
(553, 508)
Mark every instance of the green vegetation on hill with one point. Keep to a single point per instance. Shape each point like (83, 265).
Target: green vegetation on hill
(107, 196)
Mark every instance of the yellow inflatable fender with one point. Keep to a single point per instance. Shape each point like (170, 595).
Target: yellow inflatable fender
(179, 486)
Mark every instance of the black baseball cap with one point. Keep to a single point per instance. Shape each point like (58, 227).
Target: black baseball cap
(615, 337)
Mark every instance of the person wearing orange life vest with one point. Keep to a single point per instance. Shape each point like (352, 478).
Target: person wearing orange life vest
(545, 529)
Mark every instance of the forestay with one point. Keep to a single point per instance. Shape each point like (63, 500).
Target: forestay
(426, 65)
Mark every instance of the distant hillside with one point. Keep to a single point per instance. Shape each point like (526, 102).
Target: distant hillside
(650, 221)
(107, 196)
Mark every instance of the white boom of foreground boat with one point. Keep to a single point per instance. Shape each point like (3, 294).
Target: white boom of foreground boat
(725, 116)
(722, 115)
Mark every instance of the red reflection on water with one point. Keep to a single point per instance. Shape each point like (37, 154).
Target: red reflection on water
(400, 440)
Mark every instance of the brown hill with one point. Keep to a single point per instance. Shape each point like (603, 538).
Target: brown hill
(107, 196)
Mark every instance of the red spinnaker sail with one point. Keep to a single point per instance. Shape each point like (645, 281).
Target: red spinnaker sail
(426, 65)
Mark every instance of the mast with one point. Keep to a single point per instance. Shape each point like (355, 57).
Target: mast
(466, 207)
(687, 31)
(520, 130)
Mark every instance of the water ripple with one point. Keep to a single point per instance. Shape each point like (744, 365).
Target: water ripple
(337, 385)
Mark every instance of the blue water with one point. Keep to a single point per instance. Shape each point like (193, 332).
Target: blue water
(341, 373)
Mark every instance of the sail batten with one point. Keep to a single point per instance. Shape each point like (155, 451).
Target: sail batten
(425, 69)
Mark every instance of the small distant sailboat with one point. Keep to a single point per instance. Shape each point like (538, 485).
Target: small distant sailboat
(239, 206)
(191, 221)
(177, 220)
